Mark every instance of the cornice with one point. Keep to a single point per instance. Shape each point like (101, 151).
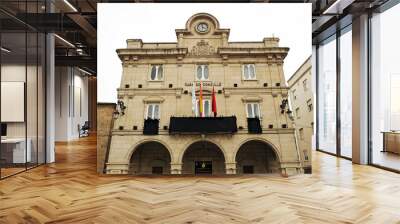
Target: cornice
(127, 54)
(270, 52)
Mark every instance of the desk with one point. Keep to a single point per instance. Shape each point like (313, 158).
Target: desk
(16, 147)
(391, 142)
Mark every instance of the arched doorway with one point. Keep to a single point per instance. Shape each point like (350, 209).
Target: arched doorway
(203, 157)
(150, 158)
(256, 157)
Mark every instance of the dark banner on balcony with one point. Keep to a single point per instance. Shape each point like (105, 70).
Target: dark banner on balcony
(151, 126)
(254, 125)
(202, 125)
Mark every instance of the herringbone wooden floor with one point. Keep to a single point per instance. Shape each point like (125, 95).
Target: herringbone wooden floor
(70, 191)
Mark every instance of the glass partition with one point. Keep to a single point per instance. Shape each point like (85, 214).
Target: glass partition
(41, 97)
(14, 154)
(22, 77)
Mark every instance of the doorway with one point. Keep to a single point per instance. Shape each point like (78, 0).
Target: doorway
(203, 167)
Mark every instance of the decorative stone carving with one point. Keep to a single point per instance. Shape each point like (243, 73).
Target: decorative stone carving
(202, 48)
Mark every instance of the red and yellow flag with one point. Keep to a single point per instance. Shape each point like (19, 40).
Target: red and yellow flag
(214, 103)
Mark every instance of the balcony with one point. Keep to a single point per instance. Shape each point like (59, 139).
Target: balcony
(151, 126)
(202, 125)
(254, 125)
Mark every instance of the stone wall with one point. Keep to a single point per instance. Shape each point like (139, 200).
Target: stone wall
(104, 122)
(301, 96)
(234, 93)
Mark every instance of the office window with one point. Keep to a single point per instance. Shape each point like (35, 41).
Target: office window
(385, 89)
(309, 105)
(327, 95)
(202, 72)
(301, 133)
(153, 111)
(253, 110)
(305, 85)
(346, 92)
(249, 72)
(298, 113)
(156, 73)
(206, 108)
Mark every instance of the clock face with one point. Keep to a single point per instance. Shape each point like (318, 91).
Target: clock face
(202, 27)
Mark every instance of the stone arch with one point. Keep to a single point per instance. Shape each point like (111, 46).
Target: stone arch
(257, 155)
(180, 156)
(203, 157)
(276, 150)
(144, 141)
(150, 157)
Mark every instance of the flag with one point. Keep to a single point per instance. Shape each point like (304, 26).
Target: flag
(194, 98)
(214, 103)
(201, 100)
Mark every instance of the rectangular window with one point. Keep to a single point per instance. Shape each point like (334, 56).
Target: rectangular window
(206, 108)
(305, 84)
(309, 105)
(249, 72)
(202, 72)
(153, 111)
(294, 94)
(253, 110)
(156, 73)
(305, 155)
(345, 93)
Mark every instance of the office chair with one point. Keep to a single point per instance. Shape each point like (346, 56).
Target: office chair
(84, 130)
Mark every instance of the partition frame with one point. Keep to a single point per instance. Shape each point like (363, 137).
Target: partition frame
(44, 94)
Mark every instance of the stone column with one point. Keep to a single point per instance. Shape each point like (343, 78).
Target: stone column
(176, 168)
(230, 168)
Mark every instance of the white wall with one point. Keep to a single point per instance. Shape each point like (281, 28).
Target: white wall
(16, 73)
(71, 102)
(33, 126)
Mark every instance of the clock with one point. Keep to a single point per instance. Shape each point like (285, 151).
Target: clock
(202, 27)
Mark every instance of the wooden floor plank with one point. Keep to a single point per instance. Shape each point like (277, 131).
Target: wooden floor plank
(70, 191)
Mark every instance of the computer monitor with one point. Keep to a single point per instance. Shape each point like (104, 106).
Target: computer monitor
(3, 129)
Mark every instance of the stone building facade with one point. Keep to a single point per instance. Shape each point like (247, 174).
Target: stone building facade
(302, 105)
(158, 129)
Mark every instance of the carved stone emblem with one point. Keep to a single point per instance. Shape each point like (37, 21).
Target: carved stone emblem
(202, 48)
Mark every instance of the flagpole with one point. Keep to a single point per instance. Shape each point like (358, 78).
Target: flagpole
(201, 99)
